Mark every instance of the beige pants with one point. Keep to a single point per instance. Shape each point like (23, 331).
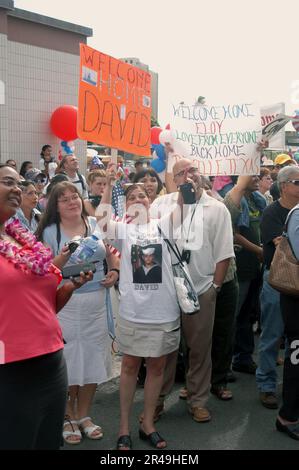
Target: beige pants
(198, 331)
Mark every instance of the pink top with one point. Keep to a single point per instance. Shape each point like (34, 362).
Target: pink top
(220, 182)
(28, 321)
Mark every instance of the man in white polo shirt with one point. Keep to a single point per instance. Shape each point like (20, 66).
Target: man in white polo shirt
(209, 226)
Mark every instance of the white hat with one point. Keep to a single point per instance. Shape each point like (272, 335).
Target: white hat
(148, 251)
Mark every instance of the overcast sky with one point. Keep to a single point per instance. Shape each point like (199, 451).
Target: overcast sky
(227, 51)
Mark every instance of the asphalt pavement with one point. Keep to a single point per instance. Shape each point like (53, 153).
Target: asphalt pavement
(240, 424)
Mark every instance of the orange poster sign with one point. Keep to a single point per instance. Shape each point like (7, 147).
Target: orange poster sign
(114, 103)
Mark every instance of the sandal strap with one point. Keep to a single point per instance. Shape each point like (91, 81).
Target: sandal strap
(88, 430)
(71, 433)
(80, 421)
(155, 438)
(71, 423)
(124, 441)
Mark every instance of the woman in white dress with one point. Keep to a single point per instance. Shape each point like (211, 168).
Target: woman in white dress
(84, 318)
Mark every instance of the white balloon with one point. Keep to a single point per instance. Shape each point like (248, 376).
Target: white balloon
(181, 148)
(167, 136)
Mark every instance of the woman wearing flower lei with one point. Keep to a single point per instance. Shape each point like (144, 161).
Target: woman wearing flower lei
(33, 378)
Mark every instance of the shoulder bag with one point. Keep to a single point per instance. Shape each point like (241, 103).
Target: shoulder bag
(284, 270)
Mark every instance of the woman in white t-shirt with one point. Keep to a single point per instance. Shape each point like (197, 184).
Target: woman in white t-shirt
(149, 316)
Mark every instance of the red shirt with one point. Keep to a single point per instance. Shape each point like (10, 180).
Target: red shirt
(28, 322)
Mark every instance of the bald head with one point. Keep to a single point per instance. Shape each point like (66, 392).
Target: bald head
(181, 165)
(186, 170)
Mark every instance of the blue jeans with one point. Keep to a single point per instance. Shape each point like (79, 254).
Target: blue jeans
(272, 327)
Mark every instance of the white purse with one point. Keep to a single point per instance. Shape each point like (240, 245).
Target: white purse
(185, 290)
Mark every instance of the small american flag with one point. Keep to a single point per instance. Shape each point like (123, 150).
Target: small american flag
(126, 219)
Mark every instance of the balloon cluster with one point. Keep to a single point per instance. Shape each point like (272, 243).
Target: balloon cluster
(160, 139)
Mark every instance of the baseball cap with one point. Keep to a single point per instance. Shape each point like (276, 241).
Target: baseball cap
(33, 173)
(282, 158)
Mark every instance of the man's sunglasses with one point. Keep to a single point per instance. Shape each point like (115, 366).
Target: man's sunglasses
(295, 182)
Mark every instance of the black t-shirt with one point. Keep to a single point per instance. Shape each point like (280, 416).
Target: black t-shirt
(272, 223)
(248, 265)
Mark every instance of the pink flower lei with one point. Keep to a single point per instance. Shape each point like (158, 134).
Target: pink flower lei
(31, 256)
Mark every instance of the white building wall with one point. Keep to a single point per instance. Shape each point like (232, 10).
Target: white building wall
(38, 81)
(4, 147)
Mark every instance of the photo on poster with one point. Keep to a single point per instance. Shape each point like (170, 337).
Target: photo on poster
(89, 76)
(147, 264)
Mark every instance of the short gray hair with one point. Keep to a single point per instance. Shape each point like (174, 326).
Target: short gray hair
(286, 173)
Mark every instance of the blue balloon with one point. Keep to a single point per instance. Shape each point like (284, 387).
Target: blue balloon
(158, 165)
(160, 152)
(154, 146)
(66, 147)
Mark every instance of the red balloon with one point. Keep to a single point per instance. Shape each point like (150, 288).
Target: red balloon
(155, 132)
(64, 122)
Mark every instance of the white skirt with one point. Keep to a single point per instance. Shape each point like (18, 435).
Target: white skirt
(88, 346)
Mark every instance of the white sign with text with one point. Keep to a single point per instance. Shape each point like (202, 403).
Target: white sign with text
(221, 139)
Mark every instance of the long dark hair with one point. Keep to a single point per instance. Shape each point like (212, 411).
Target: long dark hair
(51, 214)
(44, 147)
(148, 171)
(23, 168)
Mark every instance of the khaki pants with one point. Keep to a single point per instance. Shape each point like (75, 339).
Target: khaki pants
(198, 331)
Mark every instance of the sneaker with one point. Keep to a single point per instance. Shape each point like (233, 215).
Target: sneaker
(269, 400)
(245, 368)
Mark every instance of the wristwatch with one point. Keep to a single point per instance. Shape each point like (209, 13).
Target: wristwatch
(216, 287)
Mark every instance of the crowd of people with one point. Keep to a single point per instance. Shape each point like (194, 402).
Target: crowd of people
(57, 339)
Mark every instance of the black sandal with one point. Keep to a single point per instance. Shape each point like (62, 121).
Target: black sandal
(153, 438)
(124, 441)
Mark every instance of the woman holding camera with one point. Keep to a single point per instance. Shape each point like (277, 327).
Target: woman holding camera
(32, 369)
(84, 318)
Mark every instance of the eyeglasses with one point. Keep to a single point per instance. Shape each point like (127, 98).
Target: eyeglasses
(192, 170)
(66, 200)
(41, 181)
(11, 183)
(295, 182)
